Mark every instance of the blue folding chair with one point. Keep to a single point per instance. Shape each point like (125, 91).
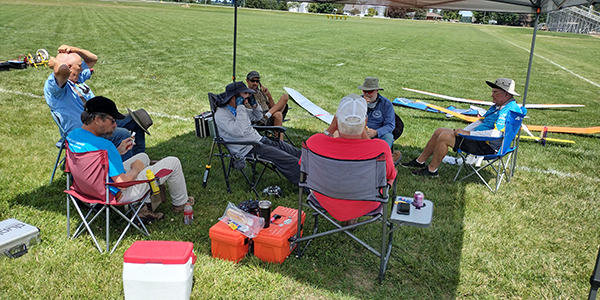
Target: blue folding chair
(504, 154)
(60, 144)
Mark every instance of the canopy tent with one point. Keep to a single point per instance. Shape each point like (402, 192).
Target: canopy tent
(536, 7)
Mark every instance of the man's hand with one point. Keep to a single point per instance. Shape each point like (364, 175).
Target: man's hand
(137, 165)
(67, 49)
(371, 133)
(125, 146)
(265, 90)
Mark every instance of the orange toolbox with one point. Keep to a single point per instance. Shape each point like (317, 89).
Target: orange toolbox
(271, 244)
(226, 243)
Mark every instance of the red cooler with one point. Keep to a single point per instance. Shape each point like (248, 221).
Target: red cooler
(227, 243)
(271, 244)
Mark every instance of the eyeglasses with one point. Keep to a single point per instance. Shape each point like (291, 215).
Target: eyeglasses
(254, 81)
(367, 92)
(497, 92)
(112, 120)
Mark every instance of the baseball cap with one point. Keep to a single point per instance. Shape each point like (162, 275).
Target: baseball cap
(101, 104)
(252, 74)
(352, 110)
(505, 84)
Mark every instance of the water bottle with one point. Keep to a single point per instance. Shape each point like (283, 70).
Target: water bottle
(150, 176)
(188, 214)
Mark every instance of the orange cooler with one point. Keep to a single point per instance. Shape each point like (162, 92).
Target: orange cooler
(271, 244)
(227, 243)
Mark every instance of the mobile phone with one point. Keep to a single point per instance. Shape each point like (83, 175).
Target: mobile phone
(403, 208)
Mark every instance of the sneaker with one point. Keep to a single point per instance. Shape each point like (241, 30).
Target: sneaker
(396, 157)
(425, 172)
(148, 217)
(179, 208)
(413, 164)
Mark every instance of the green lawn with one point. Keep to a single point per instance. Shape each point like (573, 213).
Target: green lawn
(537, 238)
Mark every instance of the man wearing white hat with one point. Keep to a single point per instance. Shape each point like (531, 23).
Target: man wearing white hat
(490, 125)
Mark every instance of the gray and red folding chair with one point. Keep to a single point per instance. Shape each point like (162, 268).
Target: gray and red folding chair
(90, 187)
(341, 190)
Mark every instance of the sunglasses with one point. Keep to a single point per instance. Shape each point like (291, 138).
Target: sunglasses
(254, 81)
(112, 120)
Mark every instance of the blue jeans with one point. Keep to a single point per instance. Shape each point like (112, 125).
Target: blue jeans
(123, 131)
(388, 138)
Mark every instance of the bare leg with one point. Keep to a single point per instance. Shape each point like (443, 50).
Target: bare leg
(445, 140)
(280, 105)
(431, 144)
(278, 121)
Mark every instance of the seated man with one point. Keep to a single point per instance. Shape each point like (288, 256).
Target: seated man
(99, 119)
(381, 119)
(66, 93)
(490, 125)
(234, 122)
(273, 112)
(352, 144)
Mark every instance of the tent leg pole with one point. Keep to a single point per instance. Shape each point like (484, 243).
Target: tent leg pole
(234, 36)
(514, 161)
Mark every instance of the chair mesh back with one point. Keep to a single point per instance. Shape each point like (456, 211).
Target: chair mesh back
(89, 171)
(512, 127)
(214, 104)
(344, 179)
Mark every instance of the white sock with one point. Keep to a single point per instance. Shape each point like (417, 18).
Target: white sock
(268, 115)
(419, 161)
(432, 171)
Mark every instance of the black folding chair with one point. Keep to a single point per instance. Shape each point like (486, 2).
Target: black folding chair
(60, 145)
(238, 162)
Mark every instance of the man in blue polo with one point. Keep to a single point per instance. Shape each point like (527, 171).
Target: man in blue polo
(66, 93)
(381, 118)
(490, 125)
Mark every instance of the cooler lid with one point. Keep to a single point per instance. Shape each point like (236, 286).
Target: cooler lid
(159, 252)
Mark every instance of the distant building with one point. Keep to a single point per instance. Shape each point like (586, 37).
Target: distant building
(364, 10)
(301, 8)
(433, 16)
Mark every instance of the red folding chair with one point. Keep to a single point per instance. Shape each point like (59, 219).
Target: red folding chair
(90, 185)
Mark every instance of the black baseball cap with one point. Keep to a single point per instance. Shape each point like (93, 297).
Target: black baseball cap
(101, 104)
(252, 74)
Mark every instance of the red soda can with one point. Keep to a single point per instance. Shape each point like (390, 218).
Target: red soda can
(418, 199)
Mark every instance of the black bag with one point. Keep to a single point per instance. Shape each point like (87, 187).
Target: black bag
(397, 132)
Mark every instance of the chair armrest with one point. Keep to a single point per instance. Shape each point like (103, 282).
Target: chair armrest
(264, 128)
(239, 143)
(480, 138)
(126, 184)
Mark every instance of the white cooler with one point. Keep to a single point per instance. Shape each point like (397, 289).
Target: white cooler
(158, 270)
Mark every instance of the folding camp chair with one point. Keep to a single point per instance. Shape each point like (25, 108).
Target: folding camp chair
(351, 180)
(60, 144)
(238, 162)
(502, 157)
(89, 172)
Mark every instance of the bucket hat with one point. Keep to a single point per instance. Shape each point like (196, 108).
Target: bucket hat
(505, 84)
(233, 89)
(370, 84)
(142, 118)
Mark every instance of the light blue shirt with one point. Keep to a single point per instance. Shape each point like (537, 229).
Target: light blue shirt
(64, 101)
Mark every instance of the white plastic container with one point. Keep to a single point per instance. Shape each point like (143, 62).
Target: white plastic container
(158, 270)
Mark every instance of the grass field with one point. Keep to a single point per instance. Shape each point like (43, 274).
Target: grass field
(537, 238)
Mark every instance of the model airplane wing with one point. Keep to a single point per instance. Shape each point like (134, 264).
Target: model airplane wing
(450, 112)
(488, 103)
(312, 108)
(421, 106)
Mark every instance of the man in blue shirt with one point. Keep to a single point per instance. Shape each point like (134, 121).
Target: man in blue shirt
(381, 118)
(99, 119)
(66, 92)
(490, 125)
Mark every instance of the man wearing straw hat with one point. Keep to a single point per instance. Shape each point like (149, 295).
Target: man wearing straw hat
(66, 93)
(490, 125)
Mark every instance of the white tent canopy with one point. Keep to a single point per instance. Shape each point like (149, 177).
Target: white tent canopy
(508, 6)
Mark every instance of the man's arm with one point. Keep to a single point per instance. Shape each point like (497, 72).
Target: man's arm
(61, 71)
(389, 119)
(265, 91)
(136, 167)
(89, 57)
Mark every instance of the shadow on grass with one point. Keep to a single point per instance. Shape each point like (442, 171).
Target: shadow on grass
(425, 262)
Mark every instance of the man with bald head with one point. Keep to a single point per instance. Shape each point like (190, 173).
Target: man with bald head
(66, 93)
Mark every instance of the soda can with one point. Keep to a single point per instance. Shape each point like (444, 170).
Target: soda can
(418, 199)
(264, 211)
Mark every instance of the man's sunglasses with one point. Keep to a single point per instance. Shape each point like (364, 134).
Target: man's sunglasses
(255, 81)
(112, 119)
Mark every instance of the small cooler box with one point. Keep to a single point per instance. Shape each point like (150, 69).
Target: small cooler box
(226, 243)
(271, 244)
(16, 237)
(158, 270)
